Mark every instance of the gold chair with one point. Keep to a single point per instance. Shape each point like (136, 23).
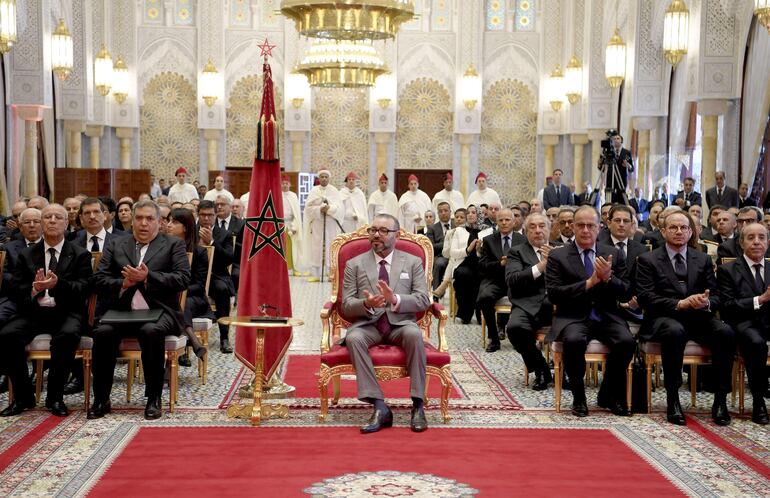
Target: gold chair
(694, 355)
(175, 346)
(201, 326)
(389, 362)
(502, 306)
(596, 353)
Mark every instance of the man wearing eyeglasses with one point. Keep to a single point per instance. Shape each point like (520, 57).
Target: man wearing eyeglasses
(383, 290)
(676, 288)
(731, 248)
(585, 280)
(565, 220)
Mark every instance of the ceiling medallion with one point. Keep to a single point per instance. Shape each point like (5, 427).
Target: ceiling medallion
(349, 19)
(346, 64)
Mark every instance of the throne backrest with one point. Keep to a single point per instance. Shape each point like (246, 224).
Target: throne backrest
(349, 245)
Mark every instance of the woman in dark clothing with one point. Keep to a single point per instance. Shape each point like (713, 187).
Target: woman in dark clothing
(182, 224)
(466, 275)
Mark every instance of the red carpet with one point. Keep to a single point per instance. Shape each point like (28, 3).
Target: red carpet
(302, 373)
(285, 461)
(21, 446)
(700, 427)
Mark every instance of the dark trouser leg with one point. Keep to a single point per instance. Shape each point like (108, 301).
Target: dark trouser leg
(673, 337)
(466, 285)
(489, 293)
(621, 343)
(409, 337)
(221, 294)
(720, 339)
(521, 331)
(106, 343)
(358, 340)
(152, 339)
(439, 267)
(64, 343)
(575, 340)
(13, 359)
(753, 347)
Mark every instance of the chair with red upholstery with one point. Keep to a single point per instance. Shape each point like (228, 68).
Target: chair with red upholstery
(389, 361)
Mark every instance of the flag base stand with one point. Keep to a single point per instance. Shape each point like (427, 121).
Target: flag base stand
(276, 389)
(256, 411)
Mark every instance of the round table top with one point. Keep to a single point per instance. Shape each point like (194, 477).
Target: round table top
(246, 321)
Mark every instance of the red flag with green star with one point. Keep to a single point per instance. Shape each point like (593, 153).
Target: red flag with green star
(264, 279)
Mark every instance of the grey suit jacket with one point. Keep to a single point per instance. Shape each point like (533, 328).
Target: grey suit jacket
(407, 279)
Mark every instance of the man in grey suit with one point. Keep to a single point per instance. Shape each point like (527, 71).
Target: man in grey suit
(383, 290)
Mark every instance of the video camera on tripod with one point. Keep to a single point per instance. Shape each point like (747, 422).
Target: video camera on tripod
(608, 148)
(611, 177)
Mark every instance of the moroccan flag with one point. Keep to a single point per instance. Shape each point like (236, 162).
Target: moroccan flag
(264, 279)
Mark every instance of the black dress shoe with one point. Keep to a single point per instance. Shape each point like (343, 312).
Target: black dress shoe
(99, 409)
(674, 413)
(184, 361)
(152, 411)
(580, 408)
(224, 346)
(419, 423)
(759, 413)
(58, 408)
(492, 347)
(619, 409)
(74, 386)
(17, 407)
(542, 379)
(719, 412)
(378, 420)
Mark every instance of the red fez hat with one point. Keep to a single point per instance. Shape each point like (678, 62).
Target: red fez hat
(317, 181)
(413, 178)
(351, 174)
(384, 177)
(285, 178)
(480, 175)
(448, 176)
(180, 169)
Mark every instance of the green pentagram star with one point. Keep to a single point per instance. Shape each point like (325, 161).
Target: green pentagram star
(266, 217)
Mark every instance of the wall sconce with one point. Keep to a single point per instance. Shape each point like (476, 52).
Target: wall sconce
(574, 80)
(61, 51)
(103, 71)
(556, 82)
(297, 89)
(384, 91)
(120, 80)
(615, 60)
(676, 27)
(7, 25)
(470, 88)
(209, 80)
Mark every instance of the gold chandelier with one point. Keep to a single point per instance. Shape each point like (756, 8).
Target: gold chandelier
(676, 28)
(348, 19)
(341, 64)
(762, 11)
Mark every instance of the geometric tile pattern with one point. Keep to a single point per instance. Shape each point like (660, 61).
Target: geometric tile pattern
(424, 132)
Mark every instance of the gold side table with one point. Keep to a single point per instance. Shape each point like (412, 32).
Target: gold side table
(256, 411)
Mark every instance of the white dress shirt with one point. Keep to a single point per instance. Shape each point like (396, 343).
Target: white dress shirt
(45, 300)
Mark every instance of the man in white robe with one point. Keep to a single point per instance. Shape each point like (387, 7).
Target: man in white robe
(323, 206)
(219, 189)
(412, 206)
(483, 194)
(355, 205)
(293, 222)
(453, 197)
(182, 191)
(383, 200)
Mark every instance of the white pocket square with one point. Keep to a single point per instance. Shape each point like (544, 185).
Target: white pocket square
(404, 276)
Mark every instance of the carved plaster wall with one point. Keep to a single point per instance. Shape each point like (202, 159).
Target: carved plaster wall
(169, 126)
(424, 132)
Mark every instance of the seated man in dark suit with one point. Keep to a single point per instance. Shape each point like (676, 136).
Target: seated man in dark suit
(221, 287)
(689, 195)
(731, 248)
(436, 233)
(144, 270)
(621, 235)
(585, 280)
(31, 230)
(530, 308)
(383, 290)
(745, 296)
(494, 256)
(232, 226)
(50, 281)
(566, 221)
(726, 224)
(677, 289)
(709, 232)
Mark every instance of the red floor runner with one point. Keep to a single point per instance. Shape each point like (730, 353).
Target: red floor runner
(25, 443)
(302, 373)
(284, 461)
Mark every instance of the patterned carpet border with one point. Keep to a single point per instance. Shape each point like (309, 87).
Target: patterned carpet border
(478, 386)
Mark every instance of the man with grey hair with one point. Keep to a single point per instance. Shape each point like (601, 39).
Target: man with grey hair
(731, 248)
(530, 307)
(50, 286)
(147, 270)
(383, 290)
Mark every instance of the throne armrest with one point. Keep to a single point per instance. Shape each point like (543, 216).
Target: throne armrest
(326, 322)
(438, 312)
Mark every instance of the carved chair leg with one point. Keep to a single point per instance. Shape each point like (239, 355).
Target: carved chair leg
(323, 388)
(336, 381)
(557, 374)
(38, 380)
(426, 401)
(130, 379)
(87, 379)
(629, 383)
(648, 361)
(741, 387)
(173, 362)
(693, 384)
